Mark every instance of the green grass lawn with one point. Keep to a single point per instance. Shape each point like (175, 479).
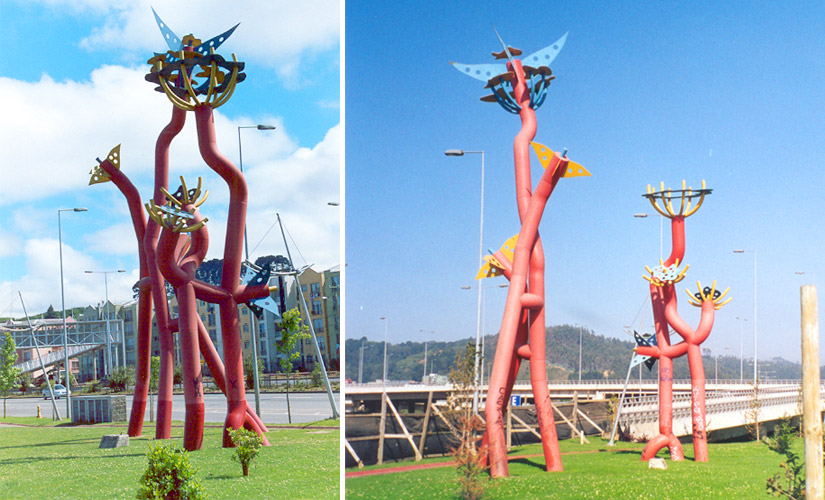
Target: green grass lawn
(57, 460)
(735, 471)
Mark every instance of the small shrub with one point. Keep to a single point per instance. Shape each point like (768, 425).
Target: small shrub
(93, 386)
(120, 378)
(790, 481)
(247, 445)
(317, 376)
(170, 475)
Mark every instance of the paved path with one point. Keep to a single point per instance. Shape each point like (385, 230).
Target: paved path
(407, 468)
(305, 406)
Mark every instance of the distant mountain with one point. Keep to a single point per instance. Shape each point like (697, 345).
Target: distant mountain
(602, 358)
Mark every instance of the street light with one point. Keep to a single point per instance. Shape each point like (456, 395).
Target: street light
(461, 152)
(755, 371)
(246, 256)
(63, 306)
(807, 272)
(426, 341)
(661, 229)
(581, 332)
(384, 319)
(741, 346)
(108, 334)
(480, 354)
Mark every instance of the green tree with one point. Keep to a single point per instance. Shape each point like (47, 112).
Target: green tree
(120, 377)
(8, 372)
(247, 445)
(466, 425)
(248, 369)
(154, 375)
(292, 332)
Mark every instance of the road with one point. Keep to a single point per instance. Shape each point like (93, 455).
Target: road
(306, 407)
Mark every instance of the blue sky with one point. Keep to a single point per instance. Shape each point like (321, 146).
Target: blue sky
(645, 92)
(71, 81)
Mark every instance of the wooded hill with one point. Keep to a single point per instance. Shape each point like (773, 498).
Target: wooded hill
(602, 358)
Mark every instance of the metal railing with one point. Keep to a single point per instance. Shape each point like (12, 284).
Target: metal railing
(55, 357)
(78, 333)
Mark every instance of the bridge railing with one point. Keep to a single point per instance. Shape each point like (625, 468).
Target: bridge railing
(54, 357)
(78, 333)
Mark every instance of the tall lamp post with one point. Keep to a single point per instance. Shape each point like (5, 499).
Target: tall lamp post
(807, 272)
(246, 256)
(741, 347)
(426, 341)
(108, 333)
(461, 152)
(63, 307)
(661, 229)
(581, 332)
(384, 377)
(755, 361)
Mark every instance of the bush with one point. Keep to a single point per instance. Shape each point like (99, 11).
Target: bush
(170, 475)
(247, 445)
(317, 376)
(93, 386)
(120, 378)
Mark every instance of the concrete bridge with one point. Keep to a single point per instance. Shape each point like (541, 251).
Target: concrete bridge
(729, 407)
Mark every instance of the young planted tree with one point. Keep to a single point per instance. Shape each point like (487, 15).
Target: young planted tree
(752, 414)
(247, 445)
(466, 425)
(248, 369)
(292, 332)
(8, 372)
(154, 374)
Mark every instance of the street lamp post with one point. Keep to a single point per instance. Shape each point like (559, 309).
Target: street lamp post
(108, 332)
(246, 256)
(461, 152)
(426, 341)
(361, 363)
(807, 272)
(741, 347)
(755, 335)
(63, 307)
(581, 332)
(661, 229)
(384, 376)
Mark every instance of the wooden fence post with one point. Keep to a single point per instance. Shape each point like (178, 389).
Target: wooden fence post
(811, 412)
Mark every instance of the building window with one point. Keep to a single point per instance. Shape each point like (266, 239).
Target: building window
(315, 290)
(246, 327)
(316, 307)
(318, 324)
(244, 311)
(246, 346)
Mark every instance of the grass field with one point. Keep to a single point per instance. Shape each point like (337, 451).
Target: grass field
(64, 461)
(594, 471)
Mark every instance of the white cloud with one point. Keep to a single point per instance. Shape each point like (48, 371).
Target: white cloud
(275, 33)
(52, 147)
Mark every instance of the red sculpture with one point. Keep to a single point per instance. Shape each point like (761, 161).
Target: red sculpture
(665, 315)
(521, 89)
(172, 254)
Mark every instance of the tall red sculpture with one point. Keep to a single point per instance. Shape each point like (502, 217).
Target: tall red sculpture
(665, 315)
(521, 89)
(173, 243)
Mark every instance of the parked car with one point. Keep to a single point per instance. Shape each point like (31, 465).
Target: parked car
(59, 391)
